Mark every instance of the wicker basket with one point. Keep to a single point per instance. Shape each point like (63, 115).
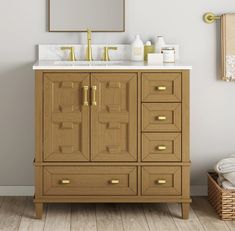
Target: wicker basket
(222, 200)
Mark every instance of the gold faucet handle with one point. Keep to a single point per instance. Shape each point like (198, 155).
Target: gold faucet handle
(106, 56)
(72, 52)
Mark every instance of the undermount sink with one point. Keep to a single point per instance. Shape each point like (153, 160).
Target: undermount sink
(85, 63)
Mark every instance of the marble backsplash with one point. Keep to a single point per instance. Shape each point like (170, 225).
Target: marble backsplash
(54, 52)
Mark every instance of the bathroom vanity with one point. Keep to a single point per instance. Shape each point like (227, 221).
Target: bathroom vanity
(112, 132)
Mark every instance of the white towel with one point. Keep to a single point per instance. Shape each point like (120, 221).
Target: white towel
(226, 165)
(228, 185)
(220, 179)
(230, 177)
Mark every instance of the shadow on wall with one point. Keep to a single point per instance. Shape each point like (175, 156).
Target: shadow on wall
(17, 123)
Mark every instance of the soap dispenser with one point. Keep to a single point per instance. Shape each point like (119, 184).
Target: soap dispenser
(137, 49)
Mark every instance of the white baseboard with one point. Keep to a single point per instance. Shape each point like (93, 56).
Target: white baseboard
(196, 190)
(16, 190)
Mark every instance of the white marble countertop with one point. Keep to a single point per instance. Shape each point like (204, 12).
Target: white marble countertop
(99, 65)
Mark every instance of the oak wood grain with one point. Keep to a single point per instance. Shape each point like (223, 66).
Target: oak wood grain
(16, 213)
(207, 216)
(83, 217)
(73, 135)
(133, 217)
(108, 218)
(28, 221)
(90, 180)
(58, 217)
(171, 82)
(11, 212)
(159, 217)
(117, 105)
(192, 224)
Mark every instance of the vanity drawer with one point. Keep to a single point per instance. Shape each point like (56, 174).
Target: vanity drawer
(161, 87)
(90, 180)
(161, 117)
(159, 180)
(161, 147)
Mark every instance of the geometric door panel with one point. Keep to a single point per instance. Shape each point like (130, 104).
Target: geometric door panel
(114, 117)
(66, 117)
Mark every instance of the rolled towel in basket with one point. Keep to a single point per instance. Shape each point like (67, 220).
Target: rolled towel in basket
(227, 185)
(230, 177)
(226, 165)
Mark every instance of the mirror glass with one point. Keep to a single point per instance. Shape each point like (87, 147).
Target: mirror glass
(78, 15)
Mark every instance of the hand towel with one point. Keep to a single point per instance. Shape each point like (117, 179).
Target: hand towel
(228, 46)
(226, 165)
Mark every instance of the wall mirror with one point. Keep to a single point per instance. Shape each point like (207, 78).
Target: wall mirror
(78, 15)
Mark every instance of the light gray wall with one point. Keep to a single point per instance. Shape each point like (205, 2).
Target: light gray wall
(23, 26)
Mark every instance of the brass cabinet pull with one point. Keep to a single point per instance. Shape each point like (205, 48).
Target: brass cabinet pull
(161, 148)
(162, 181)
(64, 181)
(94, 88)
(114, 181)
(85, 96)
(161, 118)
(161, 88)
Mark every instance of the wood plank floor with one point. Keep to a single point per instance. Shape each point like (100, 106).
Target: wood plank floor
(17, 213)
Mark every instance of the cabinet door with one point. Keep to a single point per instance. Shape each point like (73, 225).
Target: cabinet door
(114, 117)
(66, 117)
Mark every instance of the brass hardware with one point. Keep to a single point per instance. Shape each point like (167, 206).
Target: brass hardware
(210, 17)
(94, 103)
(114, 181)
(161, 88)
(161, 118)
(64, 182)
(89, 48)
(71, 54)
(85, 96)
(106, 53)
(161, 181)
(161, 148)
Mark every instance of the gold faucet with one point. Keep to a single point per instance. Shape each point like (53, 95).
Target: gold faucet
(89, 48)
(106, 53)
(71, 54)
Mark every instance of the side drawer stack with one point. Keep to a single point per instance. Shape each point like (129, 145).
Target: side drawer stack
(161, 133)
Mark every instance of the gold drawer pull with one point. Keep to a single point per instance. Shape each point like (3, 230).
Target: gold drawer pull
(161, 148)
(85, 95)
(64, 181)
(94, 88)
(161, 88)
(114, 182)
(161, 118)
(161, 181)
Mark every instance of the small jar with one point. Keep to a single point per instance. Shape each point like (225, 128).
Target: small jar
(168, 54)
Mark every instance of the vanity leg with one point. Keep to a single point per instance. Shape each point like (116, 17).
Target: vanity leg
(39, 210)
(185, 210)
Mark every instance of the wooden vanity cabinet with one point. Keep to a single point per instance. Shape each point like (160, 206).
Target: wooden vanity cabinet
(112, 136)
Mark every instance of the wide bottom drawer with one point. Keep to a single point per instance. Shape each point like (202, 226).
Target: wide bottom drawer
(90, 180)
(161, 180)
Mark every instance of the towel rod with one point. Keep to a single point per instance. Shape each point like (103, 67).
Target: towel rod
(210, 17)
